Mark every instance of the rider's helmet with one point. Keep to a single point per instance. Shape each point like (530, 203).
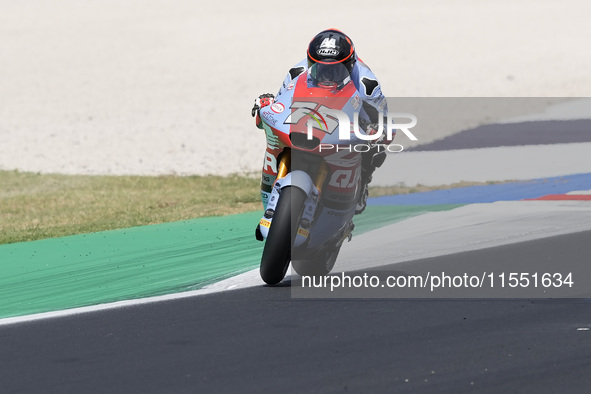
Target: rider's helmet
(331, 57)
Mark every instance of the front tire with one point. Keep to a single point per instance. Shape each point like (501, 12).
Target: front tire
(284, 226)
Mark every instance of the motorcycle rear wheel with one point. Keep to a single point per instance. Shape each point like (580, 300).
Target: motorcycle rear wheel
(319, 266)
(277, 249)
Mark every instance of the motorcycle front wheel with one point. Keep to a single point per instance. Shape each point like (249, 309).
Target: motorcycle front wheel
(285, 223)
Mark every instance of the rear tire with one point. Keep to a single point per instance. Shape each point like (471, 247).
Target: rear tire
(285, 223)
(319, 266)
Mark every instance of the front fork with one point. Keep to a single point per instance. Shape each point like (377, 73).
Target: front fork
(312, 188)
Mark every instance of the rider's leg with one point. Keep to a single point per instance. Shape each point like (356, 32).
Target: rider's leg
(370, 160)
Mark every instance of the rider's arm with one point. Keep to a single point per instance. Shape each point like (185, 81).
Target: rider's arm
(370, 91)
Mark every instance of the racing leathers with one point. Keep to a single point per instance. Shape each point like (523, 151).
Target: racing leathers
(373, 104)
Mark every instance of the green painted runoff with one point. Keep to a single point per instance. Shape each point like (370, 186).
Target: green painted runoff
(89, 269)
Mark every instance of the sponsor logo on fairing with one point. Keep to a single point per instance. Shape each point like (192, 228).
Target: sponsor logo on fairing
(277, 108)
(355, 102)
(268, 116)
(303, 232)
(328, 120)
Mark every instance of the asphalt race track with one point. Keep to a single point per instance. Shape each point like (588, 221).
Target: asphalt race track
(261, 340)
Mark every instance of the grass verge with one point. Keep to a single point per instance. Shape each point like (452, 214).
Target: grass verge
(37, 206)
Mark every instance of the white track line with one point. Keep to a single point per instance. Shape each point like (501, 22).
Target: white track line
(471, 227)
(247, 279)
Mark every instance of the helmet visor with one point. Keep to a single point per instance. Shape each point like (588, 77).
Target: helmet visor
(333, 74)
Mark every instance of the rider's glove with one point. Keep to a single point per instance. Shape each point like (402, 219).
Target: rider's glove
(262, 101)
(266, 99)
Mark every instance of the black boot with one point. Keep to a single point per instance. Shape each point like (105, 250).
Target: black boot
(369, 162)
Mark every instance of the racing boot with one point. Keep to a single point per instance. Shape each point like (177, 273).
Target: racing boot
(369, 162)
(362, 201)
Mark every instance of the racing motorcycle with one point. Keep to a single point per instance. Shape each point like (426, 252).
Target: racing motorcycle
(312, 202)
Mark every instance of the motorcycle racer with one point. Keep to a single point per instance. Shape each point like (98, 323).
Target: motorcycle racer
(327, 53)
